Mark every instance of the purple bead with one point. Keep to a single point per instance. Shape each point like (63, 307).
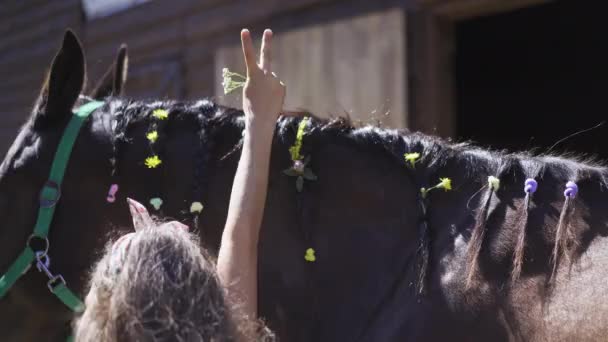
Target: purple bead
(571, 189)
(530, 186)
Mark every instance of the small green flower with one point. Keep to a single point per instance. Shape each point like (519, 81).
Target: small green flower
(196, 207)
(299, 169)
(156, 202)
(412, 158)
(232, 81)
(310, 255)
(294, 150)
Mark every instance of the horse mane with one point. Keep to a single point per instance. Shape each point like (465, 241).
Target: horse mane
(552, 171)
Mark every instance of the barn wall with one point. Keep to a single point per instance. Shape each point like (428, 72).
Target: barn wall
(354, 66)
(176, 50)
(29, 34)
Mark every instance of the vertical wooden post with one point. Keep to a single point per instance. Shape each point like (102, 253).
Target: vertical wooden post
(430, 76)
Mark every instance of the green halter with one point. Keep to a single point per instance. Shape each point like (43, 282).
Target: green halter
(49, 196)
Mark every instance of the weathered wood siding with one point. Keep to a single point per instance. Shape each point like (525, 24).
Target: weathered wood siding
(337, 56)
(353, 66)
(29, 34)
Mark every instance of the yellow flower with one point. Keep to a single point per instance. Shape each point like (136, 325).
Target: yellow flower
(152, 136)
(294, 150)
(160, 114)
(232, 81)
(412, 158)
(196, 207)
(153, 162)
(446, 184)
(494, 183)
(310, 255)
(301, 128)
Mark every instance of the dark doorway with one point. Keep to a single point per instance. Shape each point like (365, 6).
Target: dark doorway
(529, 78)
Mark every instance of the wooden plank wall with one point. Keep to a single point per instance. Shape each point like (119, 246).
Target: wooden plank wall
(467, 9)
(173, 44)
(30, 31)
(353, 66)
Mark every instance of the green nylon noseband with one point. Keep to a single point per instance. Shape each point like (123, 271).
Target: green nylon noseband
(49, 196)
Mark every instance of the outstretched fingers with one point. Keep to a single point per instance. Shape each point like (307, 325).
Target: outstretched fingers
(248, 51)
(265, 51)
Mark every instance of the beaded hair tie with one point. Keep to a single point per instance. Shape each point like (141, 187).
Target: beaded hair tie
(530, 186)
(571, 190)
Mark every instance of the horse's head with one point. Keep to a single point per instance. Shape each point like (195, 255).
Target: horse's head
(82, 206)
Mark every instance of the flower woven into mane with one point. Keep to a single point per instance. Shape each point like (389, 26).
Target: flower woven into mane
(156, 202)
(153, 162)
(232, 81)
(493, 183)
(152, 136)
(411, 158)
(294, 150)
(196, 207)
(160, 114)
(444, 183)
(310, 255)
(298, 168)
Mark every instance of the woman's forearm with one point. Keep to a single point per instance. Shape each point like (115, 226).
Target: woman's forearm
(237, 260)
(251, 178)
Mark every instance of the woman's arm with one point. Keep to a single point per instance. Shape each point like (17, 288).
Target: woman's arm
(263, 96)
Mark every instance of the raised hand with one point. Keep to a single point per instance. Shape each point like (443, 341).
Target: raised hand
(263, 96)
(263, 93)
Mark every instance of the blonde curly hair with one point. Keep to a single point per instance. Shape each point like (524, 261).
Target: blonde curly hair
(166, 289)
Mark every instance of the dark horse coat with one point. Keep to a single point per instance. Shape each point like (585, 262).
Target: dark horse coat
(389, 266)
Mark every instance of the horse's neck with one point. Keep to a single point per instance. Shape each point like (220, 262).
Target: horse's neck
(535, 306)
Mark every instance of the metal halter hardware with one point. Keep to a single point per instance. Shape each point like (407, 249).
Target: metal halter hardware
(50, 187)
(46, 244)
(49, 197)
(43, 263)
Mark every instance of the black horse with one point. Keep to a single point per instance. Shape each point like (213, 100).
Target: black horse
(479, 262)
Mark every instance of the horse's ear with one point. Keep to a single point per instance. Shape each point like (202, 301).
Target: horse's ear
(63, 83)
(114, 79)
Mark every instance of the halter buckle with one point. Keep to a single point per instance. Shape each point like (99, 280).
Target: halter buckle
(54, 282)
(43, 264)
(50, 194)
